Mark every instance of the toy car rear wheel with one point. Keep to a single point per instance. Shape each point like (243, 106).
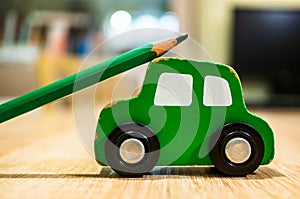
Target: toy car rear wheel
(132, 149)
(238, 151)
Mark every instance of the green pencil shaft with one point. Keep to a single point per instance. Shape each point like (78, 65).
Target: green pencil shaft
(76, 82)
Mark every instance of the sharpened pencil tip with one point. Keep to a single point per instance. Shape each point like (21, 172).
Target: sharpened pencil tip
(163, 46)
(181, 38)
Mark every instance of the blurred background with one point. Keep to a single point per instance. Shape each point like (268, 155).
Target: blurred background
(44, 40)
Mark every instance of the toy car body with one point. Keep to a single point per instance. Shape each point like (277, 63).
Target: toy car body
(187, 113)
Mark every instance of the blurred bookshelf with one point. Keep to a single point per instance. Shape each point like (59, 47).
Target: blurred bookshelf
(43, 41)
(40, 48)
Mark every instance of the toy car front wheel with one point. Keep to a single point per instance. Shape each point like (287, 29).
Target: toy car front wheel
(238, 151)
(132, 149)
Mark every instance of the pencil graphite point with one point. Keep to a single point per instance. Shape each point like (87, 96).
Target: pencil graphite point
(181, 38)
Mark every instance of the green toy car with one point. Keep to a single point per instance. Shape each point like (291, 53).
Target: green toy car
(187, 113)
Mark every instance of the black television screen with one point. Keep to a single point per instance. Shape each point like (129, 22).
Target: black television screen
(266, 46)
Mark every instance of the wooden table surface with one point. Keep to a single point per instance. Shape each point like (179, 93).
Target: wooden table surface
(41, 157)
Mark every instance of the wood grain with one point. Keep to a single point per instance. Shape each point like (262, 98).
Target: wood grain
(42, 157)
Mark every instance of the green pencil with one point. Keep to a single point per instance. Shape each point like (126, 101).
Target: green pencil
(85, 78)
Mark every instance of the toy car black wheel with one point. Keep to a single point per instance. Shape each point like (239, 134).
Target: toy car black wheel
(132, 149)
(238, 151)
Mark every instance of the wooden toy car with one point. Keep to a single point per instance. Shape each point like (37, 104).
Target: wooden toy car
(187, 113)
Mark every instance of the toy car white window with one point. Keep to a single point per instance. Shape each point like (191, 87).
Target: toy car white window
(216, 92)
(174, 90)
